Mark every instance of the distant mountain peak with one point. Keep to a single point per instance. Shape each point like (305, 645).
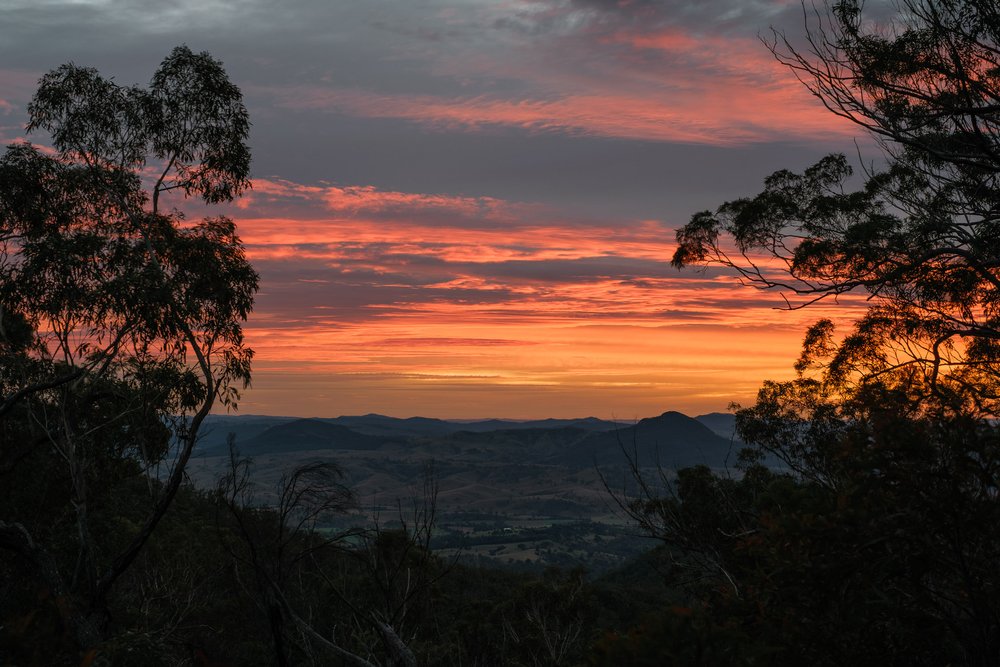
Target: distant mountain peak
(308, 433)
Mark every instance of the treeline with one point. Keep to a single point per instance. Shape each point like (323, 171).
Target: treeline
(889, 558)
(218, 586)
(877, 547)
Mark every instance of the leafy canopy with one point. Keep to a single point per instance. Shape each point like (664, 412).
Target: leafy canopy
(876, 541)
(919, 237)
(120, 322)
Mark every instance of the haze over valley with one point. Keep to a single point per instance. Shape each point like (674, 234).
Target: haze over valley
(536, 488)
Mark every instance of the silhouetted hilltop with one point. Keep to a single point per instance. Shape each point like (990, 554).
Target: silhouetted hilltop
(541, 468)
(521, 445)
(247, 427)
(216, 429)
(485, 425)
(307, 434)
(672, 440)
(375, 424)
(586, 424)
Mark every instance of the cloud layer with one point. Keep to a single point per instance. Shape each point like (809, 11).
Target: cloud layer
(447, 294)
(466, 208)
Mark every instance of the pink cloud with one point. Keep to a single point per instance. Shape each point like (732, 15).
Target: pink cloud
(717, 117)
(362, 308)
(666, 85)
(282, 197)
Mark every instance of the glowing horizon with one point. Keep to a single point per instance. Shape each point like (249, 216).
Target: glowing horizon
(434, 300)
(467, 209)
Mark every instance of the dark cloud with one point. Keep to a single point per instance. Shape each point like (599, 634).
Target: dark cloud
(575, 271)
(345, 301)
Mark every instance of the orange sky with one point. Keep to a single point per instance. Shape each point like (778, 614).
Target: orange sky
(449, 305)
(429, 304)
(466, 208)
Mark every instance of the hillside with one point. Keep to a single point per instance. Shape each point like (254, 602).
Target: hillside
(307, 435)
(500, 482)
(671, 440)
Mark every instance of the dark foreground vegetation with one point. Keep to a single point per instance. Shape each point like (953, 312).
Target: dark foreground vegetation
(240, 588)
(875, 544)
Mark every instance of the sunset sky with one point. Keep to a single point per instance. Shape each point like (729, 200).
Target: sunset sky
(466, 208)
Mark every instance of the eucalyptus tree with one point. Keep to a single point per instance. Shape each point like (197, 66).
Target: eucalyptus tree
(120, 320)
(881, 531)
(919, 237)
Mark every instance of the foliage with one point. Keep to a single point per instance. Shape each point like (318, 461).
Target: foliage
(120, 323)
(883, 555)
(875, 543)
(919, 235)
(676, 637)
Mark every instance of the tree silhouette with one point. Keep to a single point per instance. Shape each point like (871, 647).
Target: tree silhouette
(919, 237)
(876, 543)
(120, 322)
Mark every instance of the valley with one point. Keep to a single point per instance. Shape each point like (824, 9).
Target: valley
(523, 494)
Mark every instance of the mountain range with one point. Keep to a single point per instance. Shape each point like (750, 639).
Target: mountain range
(494, 465)
(671, 439)
(498, 480)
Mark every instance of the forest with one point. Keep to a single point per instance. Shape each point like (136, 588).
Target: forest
(860, 525)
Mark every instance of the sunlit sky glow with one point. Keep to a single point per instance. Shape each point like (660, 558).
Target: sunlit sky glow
(466, 208)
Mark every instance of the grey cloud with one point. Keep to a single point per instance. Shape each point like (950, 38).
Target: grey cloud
(352, 291)
(347, 301)
(586, 175)
(590, 269)
(618, 6)
(265, 40)
(753, 298)
(416, 271)
(411, 47)
(357, 271)
(595, 16)
(401, 47)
